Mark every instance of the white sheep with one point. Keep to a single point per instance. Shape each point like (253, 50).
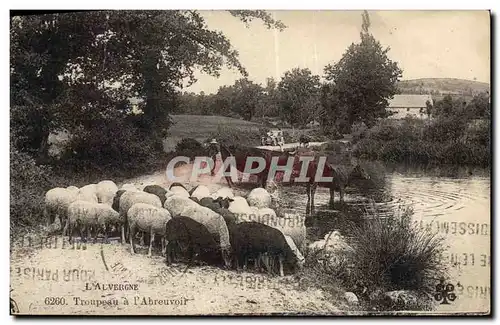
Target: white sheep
(178, 190)
(259, 198)
(105, 191)
(239, 206)
(128, 199)
(57, 201)
(129, 187)
(72, 188)
(82, 215)
(223, 192)
(200, 192)
(88, 193)
(214, 222)
(295, 250)
(293, 225)
(150, 219)
(107, 217)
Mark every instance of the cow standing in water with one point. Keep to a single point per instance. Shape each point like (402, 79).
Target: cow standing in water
(341, 174)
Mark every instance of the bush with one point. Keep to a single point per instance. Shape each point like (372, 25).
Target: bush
(28, 184)
(189, 147)
(392, 254)
(445, 140)
(113, 148)
(236, 137)
(382, 254)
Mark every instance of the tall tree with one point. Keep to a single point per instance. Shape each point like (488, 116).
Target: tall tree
(363, 80)
(64, 66)
(246, 98)
(299, 95)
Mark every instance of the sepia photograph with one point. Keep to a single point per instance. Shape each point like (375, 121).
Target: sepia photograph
(250, 162)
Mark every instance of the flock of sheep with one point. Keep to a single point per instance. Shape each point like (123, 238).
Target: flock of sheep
(217, 228)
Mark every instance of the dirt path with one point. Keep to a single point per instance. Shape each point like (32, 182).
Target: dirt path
(68, 272)
(57, 270)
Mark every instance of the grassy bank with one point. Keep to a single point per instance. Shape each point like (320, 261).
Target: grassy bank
(447, 140)
(387, 263)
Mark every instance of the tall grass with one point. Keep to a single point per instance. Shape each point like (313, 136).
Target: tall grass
(383, 254)
(392, 254)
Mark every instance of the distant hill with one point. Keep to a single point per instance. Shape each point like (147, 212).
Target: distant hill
(441, 86)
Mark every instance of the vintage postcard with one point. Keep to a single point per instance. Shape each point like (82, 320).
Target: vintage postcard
(250, 162)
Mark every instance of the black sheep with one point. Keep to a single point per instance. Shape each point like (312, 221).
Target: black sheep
(253, 239)
(215, 204)
(220, 206)
(158, 191)
(184, 232)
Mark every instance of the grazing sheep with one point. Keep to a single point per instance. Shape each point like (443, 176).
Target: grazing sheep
(82, 215)
(178, 190)
(220, 206)
(57, 201)
(181, 206)
(223, 192)
(88, 193)
(158, 191)
(194, 237)
(239, 206)
(259, 197)
(128, 199)
(215, 204)
(72, 188)
(129, 187)
(199, 192)
(293, 225)
(105, 191)
(107, 218)
(150, 219)
(251, 239)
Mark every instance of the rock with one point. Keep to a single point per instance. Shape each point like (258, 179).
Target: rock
(403, 298)
(351, 298)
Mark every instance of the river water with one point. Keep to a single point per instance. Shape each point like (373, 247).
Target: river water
(454, 203)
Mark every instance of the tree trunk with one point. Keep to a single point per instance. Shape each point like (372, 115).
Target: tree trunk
(43, 150)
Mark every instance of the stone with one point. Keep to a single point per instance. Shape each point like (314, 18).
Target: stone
(403, 298)
(351, 298)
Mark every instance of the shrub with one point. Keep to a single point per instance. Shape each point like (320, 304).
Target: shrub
(236, 137)
(445, 140)
(392, 254)
(382, 254)
(113, 148)
(28, 184)
(189, 147)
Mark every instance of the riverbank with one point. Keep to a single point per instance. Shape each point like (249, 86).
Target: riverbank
(441, 141)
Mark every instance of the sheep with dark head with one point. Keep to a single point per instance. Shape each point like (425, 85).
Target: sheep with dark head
(252, 239)
(157, 190)
(185, 234)
(215, 223)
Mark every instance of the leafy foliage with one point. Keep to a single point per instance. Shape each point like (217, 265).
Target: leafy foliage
(299, 96)
(361, 83)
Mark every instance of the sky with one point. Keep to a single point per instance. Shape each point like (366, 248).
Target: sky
(426, 44)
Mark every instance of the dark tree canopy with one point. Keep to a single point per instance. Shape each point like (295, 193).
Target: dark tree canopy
(363, 80)
(298, 95)
(65, 67)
